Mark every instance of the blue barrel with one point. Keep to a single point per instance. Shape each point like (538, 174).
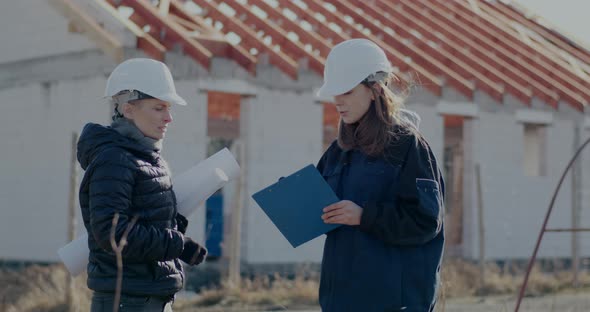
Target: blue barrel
(214, 224)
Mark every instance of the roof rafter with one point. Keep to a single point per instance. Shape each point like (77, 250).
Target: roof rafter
(449, 37)
(170, 34)
(510, 13)
(210, 39)
(406, 47)
(145, 42)
(279, 36)
(305, 36)
(434, 84)
(322, 29)
(249, 39)
(107, 42)
(487, 77)
(530, 56)
(488, 37)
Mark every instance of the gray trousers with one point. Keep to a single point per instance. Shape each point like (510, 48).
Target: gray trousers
(103, 302)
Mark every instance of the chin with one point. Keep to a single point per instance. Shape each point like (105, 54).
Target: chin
(156, 137)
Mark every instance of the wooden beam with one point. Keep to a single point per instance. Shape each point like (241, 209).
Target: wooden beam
(537, 58)
(558, 39)
(321, 28)
(235, 52)
(145, 41)
(492, 41)
(170, 34)
(110, 45)
(177, 9)
(409, 12)
(399, 59)
(188, 25)
(449, 46)
(249, 38)
(539, 46)
(486, 77)
(279, 36)
(305, 36)
(164, 7)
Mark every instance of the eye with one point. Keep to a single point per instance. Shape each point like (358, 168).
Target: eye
(159, 108)
(347, 93)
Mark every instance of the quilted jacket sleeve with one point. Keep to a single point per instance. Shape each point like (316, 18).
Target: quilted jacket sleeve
(110, 191)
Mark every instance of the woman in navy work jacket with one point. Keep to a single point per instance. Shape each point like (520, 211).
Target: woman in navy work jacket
(387, 254)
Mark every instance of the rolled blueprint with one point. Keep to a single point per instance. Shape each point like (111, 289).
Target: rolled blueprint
(192, 188)
(197, 184)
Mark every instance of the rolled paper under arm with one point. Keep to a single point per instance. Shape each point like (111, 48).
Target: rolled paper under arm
(192, 188)
(197, 184)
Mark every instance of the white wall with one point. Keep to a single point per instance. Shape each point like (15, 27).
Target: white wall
(36, 130)
(584, 239)
(33, 29)
(515, 204)
(432, 127)
(186, 143)
(284, 135)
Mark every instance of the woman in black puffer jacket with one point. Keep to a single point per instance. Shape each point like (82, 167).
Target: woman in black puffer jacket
(126, 176)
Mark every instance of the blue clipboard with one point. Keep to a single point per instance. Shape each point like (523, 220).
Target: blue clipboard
(295, 203)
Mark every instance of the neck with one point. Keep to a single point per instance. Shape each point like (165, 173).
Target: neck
(128, 129)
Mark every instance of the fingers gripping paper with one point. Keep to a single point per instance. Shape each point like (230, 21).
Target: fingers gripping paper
(192, 188)
(295, 205)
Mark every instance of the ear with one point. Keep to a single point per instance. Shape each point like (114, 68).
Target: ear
(127, 110)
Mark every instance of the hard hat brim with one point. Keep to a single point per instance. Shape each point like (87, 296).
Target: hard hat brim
(333, 89)
(172, 98)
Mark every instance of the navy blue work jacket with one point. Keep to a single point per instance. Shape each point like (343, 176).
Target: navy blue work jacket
(391, 261)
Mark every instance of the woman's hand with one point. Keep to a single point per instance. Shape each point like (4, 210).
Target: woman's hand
(343, 212)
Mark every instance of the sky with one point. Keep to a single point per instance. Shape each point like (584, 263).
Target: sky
(571, 16)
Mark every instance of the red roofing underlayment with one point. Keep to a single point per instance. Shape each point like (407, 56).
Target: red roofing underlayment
(467, 45)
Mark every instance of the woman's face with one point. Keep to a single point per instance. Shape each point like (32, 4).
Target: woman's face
(353, 104)
(150, 116)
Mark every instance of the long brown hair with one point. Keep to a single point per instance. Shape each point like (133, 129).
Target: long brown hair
(374, 131)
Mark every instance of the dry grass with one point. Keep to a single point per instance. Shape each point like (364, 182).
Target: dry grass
(461, 279)
(42, 288)
(261, 292)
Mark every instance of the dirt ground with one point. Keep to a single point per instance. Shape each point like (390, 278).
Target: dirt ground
(43, 288)
(565, 302)
(568, 302)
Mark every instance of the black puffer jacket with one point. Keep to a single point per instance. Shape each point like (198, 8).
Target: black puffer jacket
(130, 178)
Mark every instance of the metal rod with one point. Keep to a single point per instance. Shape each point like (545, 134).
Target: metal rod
(567, 230)
(543, 229)
(480, 223)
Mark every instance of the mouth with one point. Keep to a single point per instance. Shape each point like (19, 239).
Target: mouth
(343, 113)
(162, 129)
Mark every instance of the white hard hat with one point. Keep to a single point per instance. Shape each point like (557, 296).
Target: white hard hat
(349, 63)
(147, 76)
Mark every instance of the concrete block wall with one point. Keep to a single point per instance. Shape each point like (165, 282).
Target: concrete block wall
(36, 130)
(36, 133)
(515, 204)
(283, 136)
(585, 191)
(36, 30)
(432, 127)
(185, 144)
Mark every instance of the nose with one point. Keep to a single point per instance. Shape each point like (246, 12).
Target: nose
(168, 117)
(338, 101)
